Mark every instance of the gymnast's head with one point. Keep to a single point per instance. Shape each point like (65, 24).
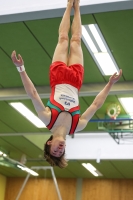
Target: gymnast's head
(54, 151)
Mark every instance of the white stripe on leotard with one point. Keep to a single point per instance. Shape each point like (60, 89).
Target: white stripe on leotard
(66, 95)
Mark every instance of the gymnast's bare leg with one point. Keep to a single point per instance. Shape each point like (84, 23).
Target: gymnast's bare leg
(61, 51)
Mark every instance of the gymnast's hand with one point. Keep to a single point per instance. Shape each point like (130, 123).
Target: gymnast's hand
(17, 61)
(114, 78)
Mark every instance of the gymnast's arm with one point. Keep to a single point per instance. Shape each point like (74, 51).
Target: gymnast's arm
(98, 102)
(30, 89)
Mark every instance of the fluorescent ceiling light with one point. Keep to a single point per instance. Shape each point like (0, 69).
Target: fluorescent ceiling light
(99, 49)
(97, 37)
(92, 169)
(106, 63)
(127, 103)
(28, 170)
(28, 114)
(8, 162)
(89, 40)
(2, 154)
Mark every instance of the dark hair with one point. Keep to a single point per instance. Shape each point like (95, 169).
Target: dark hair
(54, 161)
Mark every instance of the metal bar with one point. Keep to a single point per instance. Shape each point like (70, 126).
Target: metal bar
(111, 120)
(53, 175)
(56, 185)
(40, 167)
(25, 181)
(120, 131)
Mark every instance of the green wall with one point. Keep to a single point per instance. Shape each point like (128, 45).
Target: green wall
(2, 187)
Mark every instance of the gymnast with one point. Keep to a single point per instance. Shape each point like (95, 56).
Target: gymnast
(61, 115)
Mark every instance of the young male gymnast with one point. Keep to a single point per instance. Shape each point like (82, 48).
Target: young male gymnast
(62, 113)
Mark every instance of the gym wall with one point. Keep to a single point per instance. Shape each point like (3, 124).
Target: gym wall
(96, 189)
(2, 187)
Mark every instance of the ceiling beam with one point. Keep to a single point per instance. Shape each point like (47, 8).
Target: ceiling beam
(86, 90)
(58, 12)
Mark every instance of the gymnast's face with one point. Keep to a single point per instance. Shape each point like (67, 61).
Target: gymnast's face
(57, 147)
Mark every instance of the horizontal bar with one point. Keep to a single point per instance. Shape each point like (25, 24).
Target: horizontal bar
(41, 167)
(111, 120)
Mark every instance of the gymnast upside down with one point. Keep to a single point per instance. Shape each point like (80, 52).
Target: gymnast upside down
(62, 112)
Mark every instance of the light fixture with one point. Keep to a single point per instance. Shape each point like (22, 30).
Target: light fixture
(127, 103)
(88, 39)
(8, 162)
(28, 114)
(99, 50)
(2, 154)
(30, 171)
(94, 31)
(92, 169)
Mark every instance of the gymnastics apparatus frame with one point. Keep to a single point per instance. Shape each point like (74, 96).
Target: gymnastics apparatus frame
(43, 168)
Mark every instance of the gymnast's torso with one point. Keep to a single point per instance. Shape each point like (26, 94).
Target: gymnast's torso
(63, 108)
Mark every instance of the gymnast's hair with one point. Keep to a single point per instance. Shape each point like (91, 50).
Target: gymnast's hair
(52, 160)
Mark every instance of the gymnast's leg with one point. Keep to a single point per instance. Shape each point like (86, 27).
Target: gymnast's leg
(76, 54)
(61, 51)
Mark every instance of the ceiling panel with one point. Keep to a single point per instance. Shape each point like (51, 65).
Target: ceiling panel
(13, 172)
(117, 29)
(21, 143)
(10, 149)
(107, 169)
(125, 168)
(79, 170)
(14, 120)
(9, 76)
(43, 30)
(4, 128)
(23, 41)
(64, 173)
(5, 171)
